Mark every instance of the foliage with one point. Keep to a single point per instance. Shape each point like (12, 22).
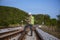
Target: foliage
(58, 21)
(39, 18)
(11, 15)
(53, 22)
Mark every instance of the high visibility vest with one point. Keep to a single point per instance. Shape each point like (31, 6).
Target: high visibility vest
(31, 20)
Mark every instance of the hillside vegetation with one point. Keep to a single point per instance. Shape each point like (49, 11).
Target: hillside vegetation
(11, 15)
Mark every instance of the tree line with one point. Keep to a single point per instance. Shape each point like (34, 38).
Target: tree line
(39, 18)
(11, 15)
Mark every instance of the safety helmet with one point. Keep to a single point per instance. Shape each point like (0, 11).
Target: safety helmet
(29, 13)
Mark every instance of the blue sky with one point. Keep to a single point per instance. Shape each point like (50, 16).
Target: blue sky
(50, 7)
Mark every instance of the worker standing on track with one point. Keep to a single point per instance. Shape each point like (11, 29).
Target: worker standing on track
(30, 23)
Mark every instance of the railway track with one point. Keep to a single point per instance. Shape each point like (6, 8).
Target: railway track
(38, 35)
(27, 37)
(19, 35)
(10, 34)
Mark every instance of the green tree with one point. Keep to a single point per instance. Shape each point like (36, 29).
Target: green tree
(47, 19)
(11, 15)
(53, 22)
(58, 21)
